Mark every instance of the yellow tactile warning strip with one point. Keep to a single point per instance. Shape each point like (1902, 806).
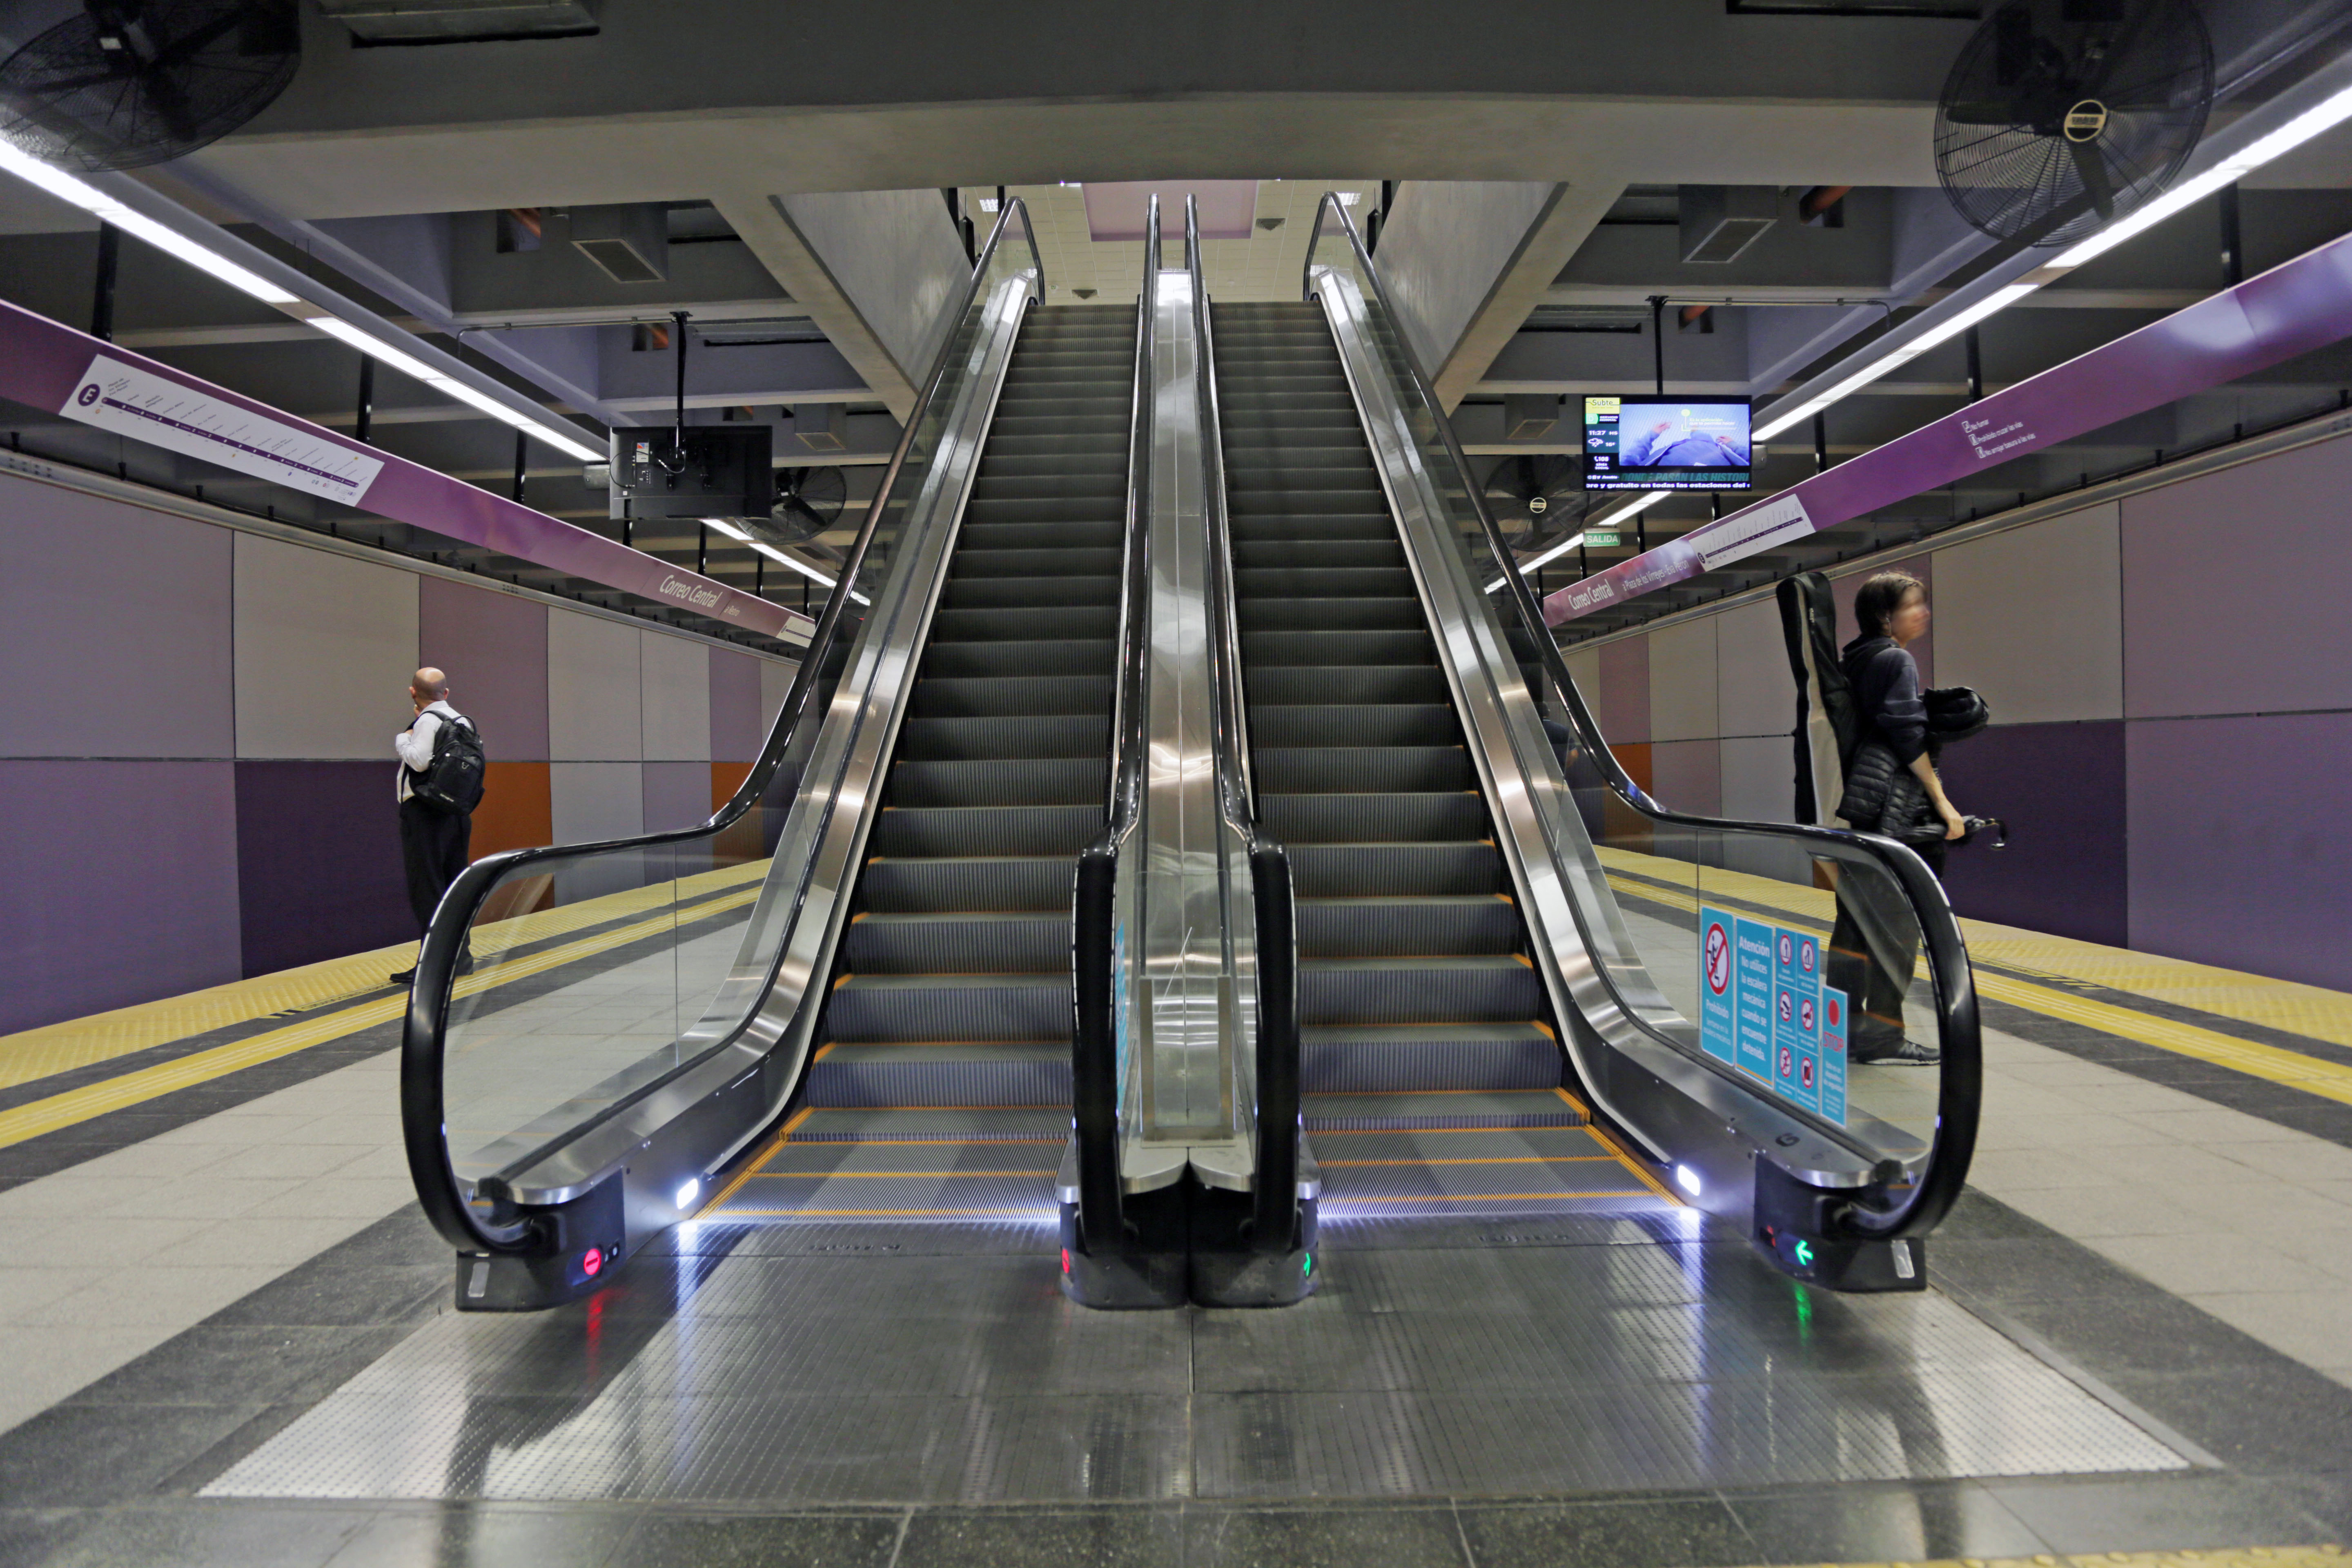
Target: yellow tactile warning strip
(43, 1116)
(41, 1053)
(2323, 1556)
(1813, 906)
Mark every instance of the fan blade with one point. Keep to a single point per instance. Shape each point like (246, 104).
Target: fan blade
(2119, 47)
(2009, 112)
(2094, 171)
(180, 48)
(815, 518)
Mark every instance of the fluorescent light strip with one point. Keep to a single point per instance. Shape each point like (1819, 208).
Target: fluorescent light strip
(729, 528)
(170, 242)
(2329, 115)
(794, 561)
(66, 188)
(449, 387)
(1639, 503)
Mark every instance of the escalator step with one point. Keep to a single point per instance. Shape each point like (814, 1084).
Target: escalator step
(1407, 925)
(947, 883)
(991, 1007)
(1014, 780)
(984, 1073)
(908, 831)
(1480, 988)
(1343, 769)
(997, 696)
(1293, 685)
(965, 941)
(1298, 820)
(970, 740)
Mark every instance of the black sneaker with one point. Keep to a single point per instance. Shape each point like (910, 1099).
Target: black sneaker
(405, 977)
(1903, 1054)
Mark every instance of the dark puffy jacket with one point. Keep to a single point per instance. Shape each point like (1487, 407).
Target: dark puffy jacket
(1897, 723)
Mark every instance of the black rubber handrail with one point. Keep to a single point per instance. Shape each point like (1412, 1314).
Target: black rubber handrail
(423, 1039)
(1888, 1211)
(1093, 899)
(1274, 1196)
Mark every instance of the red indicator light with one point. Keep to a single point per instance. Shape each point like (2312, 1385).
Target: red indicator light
(1066, 1260)
(593, 1262)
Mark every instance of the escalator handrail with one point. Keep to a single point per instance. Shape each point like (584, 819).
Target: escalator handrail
(1275, 1191)
(1960, 1088)
(424, 1030)
(1093, 958)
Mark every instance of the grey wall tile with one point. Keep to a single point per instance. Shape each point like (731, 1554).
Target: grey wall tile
(675, 683)
(592, 701)
(2034, 618)
(1755, 692)
(324, 647)
(493, 647)
(95, 691)
(1683, 680)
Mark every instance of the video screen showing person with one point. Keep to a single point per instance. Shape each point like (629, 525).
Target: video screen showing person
(1665, 443)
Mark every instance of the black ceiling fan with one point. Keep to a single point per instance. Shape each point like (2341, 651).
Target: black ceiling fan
(2062, 115)
(1535, 499)
(127, 83)
(808, 501)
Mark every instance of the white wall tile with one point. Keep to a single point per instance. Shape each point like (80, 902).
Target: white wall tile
(2034, 618)
(1584, 668)
(593, 699)
(1755, 693)
(1759, 786)
(324, 649)
(1683, 680)
(675, 677)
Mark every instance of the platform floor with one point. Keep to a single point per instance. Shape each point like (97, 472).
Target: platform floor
(228, 1340)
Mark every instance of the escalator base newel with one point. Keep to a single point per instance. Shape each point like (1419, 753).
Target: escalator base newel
(1226, 1272)
(586, 1244)
(1147, 1273)
(1791, 1220)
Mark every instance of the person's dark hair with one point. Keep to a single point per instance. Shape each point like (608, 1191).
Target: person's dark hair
(1880, 598)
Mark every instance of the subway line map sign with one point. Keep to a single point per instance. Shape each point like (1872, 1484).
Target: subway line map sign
(1764, 1010)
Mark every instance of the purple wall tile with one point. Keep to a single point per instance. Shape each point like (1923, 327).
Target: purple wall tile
(2273, 638)
(735, 733)
(2060, 787)
(678, 795)
(2241, 850)
(1843, 589)
(1625, 690)
(494, 648)
(141, 669)
(118, 885)
(319, 871)
(1688, 776)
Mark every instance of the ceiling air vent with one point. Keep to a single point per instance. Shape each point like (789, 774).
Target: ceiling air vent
(1719, 222)
(629, 243)
(461, 21)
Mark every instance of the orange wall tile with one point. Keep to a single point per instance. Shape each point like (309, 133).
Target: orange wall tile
(517, 811)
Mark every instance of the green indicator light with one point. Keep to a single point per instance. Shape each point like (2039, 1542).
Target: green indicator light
(1804, 1255)
(1310, 1263)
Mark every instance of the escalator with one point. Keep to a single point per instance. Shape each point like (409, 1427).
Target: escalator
(1524, 986)
(1431, 1066)
(940, 1089)
(845, 997)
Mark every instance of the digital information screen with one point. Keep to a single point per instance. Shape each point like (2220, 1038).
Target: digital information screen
(1667, 444)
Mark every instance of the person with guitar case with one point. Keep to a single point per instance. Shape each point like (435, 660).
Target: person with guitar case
(1868, 740)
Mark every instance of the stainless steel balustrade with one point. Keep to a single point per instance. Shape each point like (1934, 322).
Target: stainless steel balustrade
(628, 1081)
(1581, 838)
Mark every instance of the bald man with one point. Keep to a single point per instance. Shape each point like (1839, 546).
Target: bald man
(433, 843)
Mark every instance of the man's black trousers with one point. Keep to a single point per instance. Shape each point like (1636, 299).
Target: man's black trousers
(433, 846)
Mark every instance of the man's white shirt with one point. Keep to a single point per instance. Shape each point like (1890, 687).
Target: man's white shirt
(413, 745)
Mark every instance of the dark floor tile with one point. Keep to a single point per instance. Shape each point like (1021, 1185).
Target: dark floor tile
(759, 1541)
(1977, 1218)
(1907, 1523)
(492, 1535)
(29, 1536)
(2189, 1512)
(92, 1454)
(1321, 1538)
(2149, 1332)
(1683, 1533)
(2326, 1497)
(255, 1361)
(1112, 1537)
(212, 1535)
(2265, 1418)
(2028, 1269)
(344, 1287)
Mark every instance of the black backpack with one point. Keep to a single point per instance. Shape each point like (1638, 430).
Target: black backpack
(452, 782)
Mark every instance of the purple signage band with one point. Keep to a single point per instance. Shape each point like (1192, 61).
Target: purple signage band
(50, 365)
(2293, 309)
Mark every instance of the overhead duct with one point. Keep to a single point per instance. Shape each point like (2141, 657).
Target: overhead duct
(630, 242)
(1719, 222)
(1529, 417)
(461, 21)
(822, 427)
